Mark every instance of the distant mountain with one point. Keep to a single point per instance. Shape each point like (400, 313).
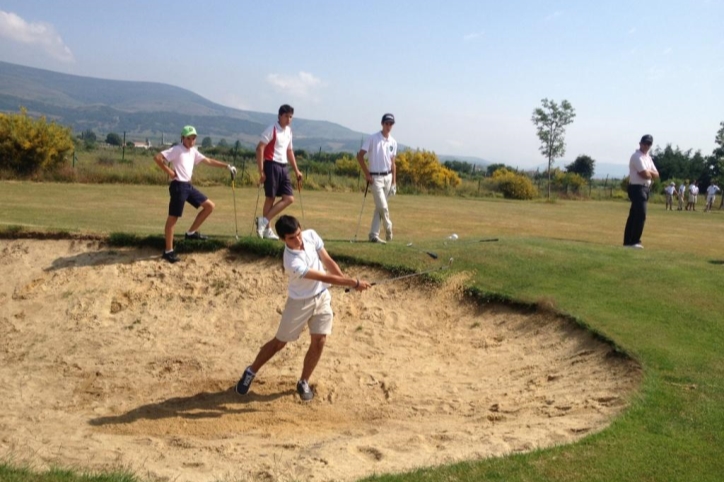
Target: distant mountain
(150, 110)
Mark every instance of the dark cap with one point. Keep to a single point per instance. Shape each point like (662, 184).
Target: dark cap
(388, 118)
(647, 139)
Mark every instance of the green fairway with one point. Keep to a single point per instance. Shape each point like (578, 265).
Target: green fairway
(663, 305)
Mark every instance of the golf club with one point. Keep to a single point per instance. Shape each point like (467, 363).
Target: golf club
(233, 193)
(405, 276)
(450, 242)
(429, 253)
(253, 223)
(359, 222)
(301, 203)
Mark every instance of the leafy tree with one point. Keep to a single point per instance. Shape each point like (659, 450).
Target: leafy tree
(460, 167)
(301, 154)
(89, 139)
(347, 166)
(223, 143)
(584, 166)
(494, 167)
(114, 139)
(206, 142)
(551, 121)
(28, 145)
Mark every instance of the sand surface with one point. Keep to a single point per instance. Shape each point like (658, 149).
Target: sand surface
(114, 358)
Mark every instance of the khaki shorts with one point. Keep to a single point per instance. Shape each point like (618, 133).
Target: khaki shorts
(315, 312)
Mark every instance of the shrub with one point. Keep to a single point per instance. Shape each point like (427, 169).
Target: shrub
(514, 186)
(29, 145)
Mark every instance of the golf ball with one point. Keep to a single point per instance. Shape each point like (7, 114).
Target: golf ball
(453, 236)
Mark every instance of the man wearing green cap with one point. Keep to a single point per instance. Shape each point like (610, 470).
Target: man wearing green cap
(183, 157)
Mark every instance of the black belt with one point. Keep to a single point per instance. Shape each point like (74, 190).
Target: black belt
(380, 173)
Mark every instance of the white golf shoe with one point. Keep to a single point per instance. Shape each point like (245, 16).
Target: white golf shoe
(269, 234)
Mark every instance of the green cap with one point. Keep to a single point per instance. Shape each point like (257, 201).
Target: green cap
(188, 131)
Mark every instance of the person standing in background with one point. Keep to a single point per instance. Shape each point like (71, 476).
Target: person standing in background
(381, 175)
(642, 172)
(273, 153)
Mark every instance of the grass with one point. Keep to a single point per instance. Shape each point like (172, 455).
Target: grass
(662, 305)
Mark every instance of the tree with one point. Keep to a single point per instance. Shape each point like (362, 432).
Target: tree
(551, 121)
(206, 142)
(113, 139)
(494, 167)
(422, 169)
(584, 166)
(223, 143)
(89, 139)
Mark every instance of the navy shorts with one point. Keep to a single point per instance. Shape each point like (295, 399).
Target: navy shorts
(277, 181)
(181, 193)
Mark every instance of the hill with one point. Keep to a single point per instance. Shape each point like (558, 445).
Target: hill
(150, 110)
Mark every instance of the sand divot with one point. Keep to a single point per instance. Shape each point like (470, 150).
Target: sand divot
(113, 358)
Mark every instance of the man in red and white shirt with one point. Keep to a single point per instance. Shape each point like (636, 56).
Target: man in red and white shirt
(273, 153)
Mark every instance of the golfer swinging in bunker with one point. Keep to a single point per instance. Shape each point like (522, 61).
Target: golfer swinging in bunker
(308, 301)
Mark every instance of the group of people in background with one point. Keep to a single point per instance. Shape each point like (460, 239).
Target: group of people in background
(311, 270)
(689, 193)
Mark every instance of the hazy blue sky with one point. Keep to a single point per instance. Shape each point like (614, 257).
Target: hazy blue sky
(462, 77)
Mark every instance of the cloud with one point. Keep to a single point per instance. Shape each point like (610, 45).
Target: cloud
(473, 36)
(40, 34)
(301, 85)
(553, 16)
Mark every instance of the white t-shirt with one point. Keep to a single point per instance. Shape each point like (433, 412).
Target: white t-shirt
(693, 189)
(682, 189)
(298, 262)
(380, 152)
(183, 160)
(670, 190)
(712, 190)
(277, 142)
(638, 162)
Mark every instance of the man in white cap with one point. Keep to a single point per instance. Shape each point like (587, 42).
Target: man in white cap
(711, 195)
(183, 157)
(670, 190)
(381, 175)
(642, 172)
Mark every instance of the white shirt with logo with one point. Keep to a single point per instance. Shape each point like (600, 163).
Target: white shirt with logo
(639, 162)
(297, 264)
(183, 161)
(380, 152)
(278, 140)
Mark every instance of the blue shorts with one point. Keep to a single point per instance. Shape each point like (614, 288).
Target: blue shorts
(181, 193)
(277, 181)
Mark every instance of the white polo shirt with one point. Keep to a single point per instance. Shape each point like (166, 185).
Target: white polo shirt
(277, 142)
(297, 263)
(183, 161)
(638, 162)
(380, 152)
(712, 190)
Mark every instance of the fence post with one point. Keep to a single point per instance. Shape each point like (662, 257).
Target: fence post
(479, 182)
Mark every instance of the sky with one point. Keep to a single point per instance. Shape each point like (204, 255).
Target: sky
(461, 77)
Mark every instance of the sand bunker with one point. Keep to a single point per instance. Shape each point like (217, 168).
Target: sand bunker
(112, 358)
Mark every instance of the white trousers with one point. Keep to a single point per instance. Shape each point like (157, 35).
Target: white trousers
(380, 187)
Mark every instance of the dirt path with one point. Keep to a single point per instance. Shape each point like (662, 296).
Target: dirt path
(112, 358)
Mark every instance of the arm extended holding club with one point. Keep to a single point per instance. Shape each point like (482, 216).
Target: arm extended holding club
(335, 275)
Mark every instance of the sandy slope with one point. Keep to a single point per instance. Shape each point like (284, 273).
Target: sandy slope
(113, 358)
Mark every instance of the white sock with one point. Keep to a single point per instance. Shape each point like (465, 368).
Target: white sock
(170, 251)
(190, 232)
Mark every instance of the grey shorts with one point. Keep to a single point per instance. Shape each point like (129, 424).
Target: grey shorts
(316, 312)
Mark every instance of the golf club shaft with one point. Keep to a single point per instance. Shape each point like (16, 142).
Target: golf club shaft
(253, 223)
(405, 276)
(236, 219)
(301, 203)
(359, 222)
